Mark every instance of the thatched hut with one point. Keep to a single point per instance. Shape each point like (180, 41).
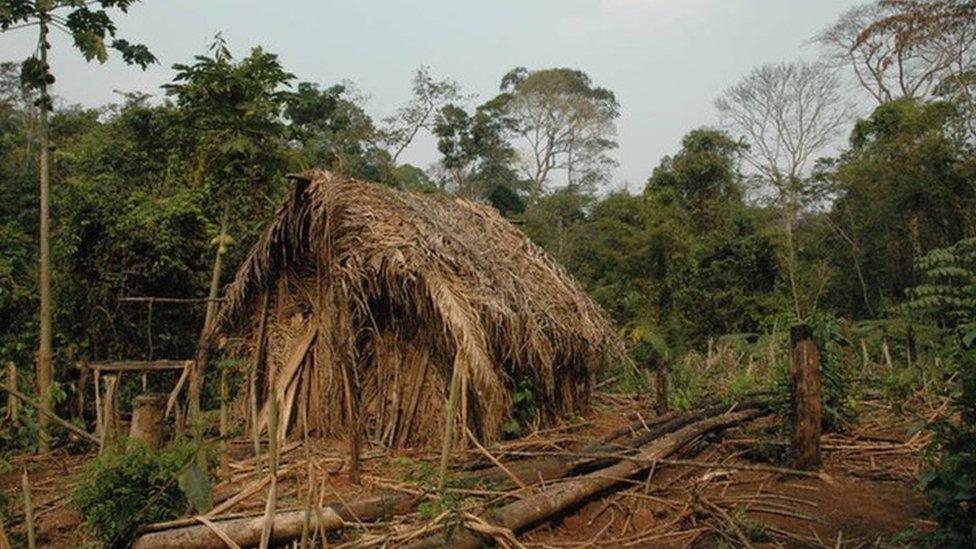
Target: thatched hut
(399, 290)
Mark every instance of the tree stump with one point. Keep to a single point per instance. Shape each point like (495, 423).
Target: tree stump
(807, 404)
(148, 413)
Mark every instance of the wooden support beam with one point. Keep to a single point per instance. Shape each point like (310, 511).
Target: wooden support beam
(185, 300)
(133, 365)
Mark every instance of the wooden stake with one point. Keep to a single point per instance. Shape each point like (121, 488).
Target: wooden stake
(259, 356)
(807, 404)
(28, 510)
(224, 458)
(110, 413)
(663, 371)
(450, 417)
(13, 404)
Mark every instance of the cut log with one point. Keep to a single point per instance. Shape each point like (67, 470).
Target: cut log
(551, 501)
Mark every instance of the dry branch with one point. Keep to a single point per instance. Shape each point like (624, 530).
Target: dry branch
(66, 424)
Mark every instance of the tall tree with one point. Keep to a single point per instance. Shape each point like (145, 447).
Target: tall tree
(333, 131)
(233, 109)
(93, 32)
(564, 120)
(473, 150)
(786, 113)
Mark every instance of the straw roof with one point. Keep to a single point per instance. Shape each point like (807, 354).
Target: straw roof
(403, 267)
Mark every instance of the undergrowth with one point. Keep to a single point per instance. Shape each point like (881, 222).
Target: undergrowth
(118, 492)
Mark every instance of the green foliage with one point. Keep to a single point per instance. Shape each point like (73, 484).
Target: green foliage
(88, 25)
(947, 296)
(951, 486)
(118, 492)
(837, 376)
(524, 410)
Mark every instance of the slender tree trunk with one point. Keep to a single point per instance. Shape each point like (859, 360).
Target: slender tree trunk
(200, 363)
(791, 260)
(45, 353)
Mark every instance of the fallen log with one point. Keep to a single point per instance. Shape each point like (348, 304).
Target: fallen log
(557, 498)
(246, 531)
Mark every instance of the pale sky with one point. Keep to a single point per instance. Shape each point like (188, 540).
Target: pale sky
(666, 60)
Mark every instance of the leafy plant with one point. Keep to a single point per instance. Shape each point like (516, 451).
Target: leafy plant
(524, 410)
(119, 492)
(947, 294)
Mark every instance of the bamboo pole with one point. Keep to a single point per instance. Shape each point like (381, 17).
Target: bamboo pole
(272, 501)
(450, 417)
(224, 458)
(259, 356)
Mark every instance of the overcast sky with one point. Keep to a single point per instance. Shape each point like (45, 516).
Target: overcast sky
(665, 59)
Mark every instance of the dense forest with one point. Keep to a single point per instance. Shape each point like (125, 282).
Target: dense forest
(838, 191)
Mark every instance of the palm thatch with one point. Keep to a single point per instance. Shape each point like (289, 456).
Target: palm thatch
(406, 287)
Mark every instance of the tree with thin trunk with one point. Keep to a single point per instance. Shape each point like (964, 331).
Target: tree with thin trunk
(91, 28)
(564, 122)
(234, 109)
(786, 113)
(429, 97)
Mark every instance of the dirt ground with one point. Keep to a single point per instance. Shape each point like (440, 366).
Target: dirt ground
(867, 496)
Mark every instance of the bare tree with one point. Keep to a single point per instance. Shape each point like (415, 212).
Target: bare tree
(892, 60)
(786, 113)
(429, 97)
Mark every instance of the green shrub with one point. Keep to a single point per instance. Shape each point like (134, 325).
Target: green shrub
(119, 492)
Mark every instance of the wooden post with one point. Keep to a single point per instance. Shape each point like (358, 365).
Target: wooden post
(28, 511)
(807, 405)
(110, 412)
(662, 382)
(224, 458)
(13, 404)
(450, 417)
(82, 388)
(259, 362)
(148, 411)
(912, 348)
